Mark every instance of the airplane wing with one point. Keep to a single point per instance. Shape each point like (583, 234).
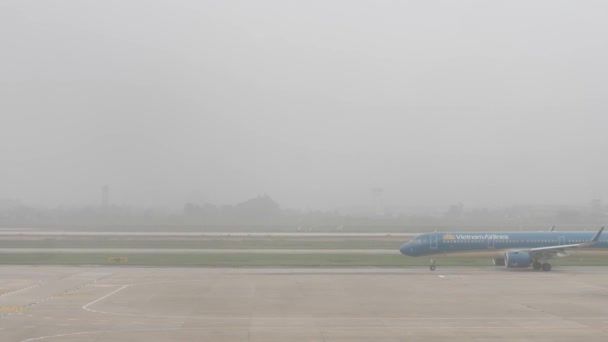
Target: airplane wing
(562, 250)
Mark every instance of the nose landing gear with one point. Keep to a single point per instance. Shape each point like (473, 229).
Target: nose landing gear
(432, 266)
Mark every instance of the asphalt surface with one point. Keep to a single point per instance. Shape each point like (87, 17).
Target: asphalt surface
(13, 232)
(283, 304)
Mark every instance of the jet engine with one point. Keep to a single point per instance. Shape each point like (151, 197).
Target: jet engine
(517, 259)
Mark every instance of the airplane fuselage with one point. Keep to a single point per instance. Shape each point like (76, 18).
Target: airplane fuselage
(457, 242)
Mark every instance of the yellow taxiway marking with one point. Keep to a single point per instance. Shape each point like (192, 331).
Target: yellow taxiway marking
(12, 308)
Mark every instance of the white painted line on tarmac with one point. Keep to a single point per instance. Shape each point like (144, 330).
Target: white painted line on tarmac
(20, 290)
(86, 306)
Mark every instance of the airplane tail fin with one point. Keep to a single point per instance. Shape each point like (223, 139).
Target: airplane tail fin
(597, 235)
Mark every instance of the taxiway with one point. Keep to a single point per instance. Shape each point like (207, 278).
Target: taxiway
(297, 304)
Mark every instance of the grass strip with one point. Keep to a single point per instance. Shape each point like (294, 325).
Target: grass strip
(260, 259)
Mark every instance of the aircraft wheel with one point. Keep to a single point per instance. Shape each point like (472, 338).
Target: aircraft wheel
(432, 267)
(546, 267)
(537, 265)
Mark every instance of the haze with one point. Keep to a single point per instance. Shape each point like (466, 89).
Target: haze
(314, 103)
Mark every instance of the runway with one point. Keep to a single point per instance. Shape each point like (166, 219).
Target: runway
(7, 232)
(199, 250)
(302, 304)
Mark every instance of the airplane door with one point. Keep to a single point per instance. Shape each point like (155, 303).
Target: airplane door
(433, 241)
(490, 243)
(561, 240)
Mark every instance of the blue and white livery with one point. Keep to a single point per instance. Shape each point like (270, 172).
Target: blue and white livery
(521, 249)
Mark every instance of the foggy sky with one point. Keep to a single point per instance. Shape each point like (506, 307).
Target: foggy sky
(314, 103)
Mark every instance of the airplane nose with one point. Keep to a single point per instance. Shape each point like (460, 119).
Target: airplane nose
(406, 249)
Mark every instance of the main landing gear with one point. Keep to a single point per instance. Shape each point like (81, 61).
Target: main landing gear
(538, 266)
(432, 266)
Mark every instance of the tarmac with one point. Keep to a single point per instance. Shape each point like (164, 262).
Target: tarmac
(11, 232)
(41, 303)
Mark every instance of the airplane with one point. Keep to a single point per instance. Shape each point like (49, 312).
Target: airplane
(521, 249)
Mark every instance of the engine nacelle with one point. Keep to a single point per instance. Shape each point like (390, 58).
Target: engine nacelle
(517, 259)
